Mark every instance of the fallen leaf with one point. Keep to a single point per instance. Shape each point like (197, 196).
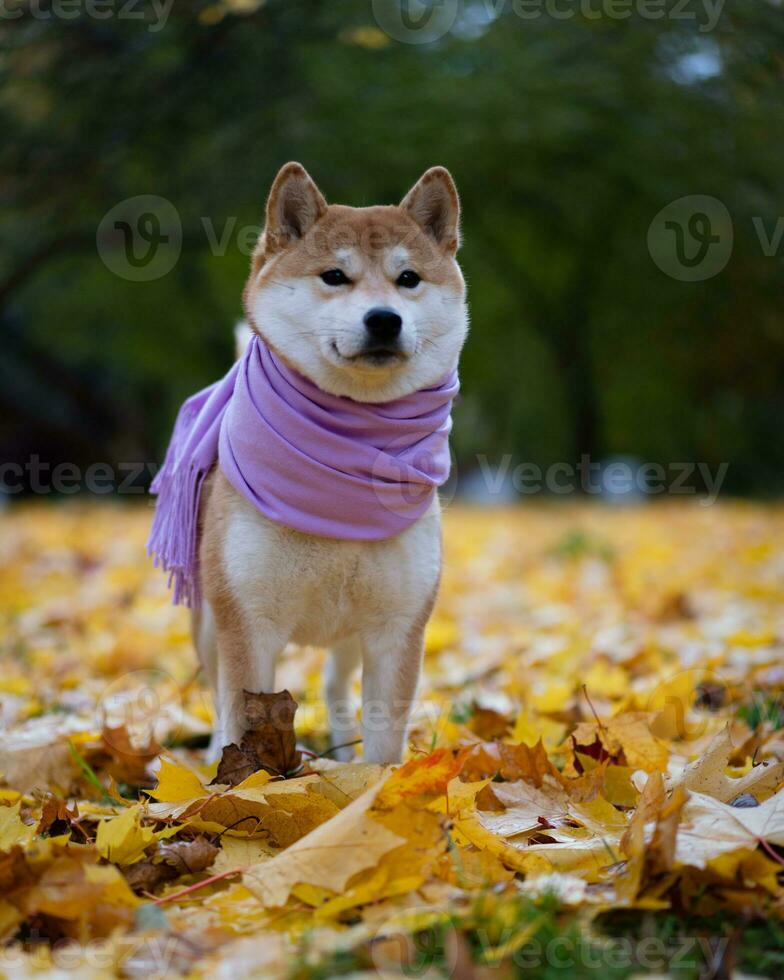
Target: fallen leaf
(56, 817)
(488, 724)
(625, 739)
(707, 775)
(710, 828)
(177, 783)
(123, 839)
(126, 760)
(510, 761)
(428, 776)
(268, 743)
(170, 860)
(328, 856)
(13, 830)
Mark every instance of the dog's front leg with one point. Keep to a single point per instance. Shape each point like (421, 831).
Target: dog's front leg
(390, 673)
(247, 655)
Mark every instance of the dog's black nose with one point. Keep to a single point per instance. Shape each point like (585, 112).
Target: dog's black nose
(383, 325)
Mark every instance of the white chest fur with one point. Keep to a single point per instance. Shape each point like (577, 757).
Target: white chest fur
(320, 590)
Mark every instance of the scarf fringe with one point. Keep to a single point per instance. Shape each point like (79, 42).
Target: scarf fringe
(174, 539)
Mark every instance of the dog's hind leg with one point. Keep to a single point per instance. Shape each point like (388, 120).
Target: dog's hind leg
(342, 664)
(206, 642)
(390, 674)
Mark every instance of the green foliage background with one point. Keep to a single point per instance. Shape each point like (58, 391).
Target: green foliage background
(566, 136)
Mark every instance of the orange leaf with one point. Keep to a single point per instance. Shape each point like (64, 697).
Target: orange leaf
(428, 776)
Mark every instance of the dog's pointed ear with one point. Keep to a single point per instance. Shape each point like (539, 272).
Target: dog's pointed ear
(433, 203)
(294, 205)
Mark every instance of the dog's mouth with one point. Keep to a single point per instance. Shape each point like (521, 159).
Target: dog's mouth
(375, 356)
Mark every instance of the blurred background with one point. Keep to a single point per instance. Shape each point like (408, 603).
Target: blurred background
(620, 166)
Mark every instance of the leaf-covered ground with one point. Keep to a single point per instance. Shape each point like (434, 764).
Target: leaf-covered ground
(594, 785)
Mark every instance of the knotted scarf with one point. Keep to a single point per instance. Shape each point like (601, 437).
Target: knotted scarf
(315, 462)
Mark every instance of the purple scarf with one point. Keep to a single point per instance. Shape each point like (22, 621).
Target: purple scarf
(314, 462)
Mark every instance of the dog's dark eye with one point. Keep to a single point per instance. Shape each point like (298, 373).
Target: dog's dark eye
(408, 279)
(335, 277)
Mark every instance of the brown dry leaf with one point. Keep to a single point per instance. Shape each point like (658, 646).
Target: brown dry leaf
(651, 801)
(511, 762)
(639, 865)
(661, 851)
(56, 817)
(235, 766)
(707, 775)
(651, 853)
(488, 724)
(328, 856)
(268, 743)
(125, 760)
(170, 860)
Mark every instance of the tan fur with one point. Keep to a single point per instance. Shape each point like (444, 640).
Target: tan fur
(266, 585)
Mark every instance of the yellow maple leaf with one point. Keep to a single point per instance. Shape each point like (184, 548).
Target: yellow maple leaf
(13, 830)
(177, 783)
(123, 839)
(529, 730)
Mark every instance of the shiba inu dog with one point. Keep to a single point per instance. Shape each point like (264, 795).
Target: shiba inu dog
(368, 304)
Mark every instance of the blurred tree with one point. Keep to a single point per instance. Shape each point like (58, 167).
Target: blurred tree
(566, 136)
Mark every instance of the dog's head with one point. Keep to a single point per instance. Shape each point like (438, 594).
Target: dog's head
(365, 302)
